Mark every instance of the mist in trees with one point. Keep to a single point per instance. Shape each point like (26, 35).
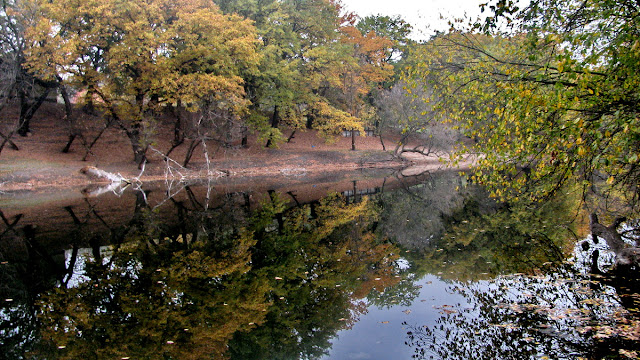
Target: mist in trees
(403, 110)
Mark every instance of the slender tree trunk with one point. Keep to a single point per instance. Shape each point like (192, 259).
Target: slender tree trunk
(67, 147)
(178, 131)
(384, 148)
(27, 110)
(192, 147)
(275, 120)
(95, 140)
(291, 136)
(353, 140)
(7, 140)
(68, 115)
(245, 137)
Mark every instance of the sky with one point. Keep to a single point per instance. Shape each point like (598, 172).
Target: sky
(423, 15)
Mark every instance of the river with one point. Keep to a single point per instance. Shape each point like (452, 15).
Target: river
(373, 266)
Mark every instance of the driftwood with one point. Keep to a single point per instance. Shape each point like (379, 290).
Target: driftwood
(98, 175)
(626, 257)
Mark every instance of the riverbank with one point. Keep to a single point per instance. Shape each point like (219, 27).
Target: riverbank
(40, 163)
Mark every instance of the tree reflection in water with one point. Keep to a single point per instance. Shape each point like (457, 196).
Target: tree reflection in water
(221, 283)
(525, 300)
(195, 278)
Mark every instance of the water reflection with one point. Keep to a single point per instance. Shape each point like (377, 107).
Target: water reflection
(423, 267)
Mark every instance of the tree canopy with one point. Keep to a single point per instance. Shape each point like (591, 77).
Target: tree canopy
(549, 98)
(233, 64)
(132, 58)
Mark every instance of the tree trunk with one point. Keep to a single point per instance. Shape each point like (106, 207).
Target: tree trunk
(178, 131)
(68, 115)
(27, 110)
(291, 136)
(353, 140)
(95, 140)
(627, 258)
(192, 147)
(245, 139)
(67, 147)
(139, 151)
(275, 120)
(384, 148)
(8, 140)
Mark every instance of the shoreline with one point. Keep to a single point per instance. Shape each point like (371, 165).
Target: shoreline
(57, 176)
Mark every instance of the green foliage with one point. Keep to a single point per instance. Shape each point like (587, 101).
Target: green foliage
(135, 58)
(393, 28)
(237, 61)
(553, 103)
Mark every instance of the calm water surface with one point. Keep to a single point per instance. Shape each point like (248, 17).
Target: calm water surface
(358, 268)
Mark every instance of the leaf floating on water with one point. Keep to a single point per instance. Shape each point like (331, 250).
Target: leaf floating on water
(584, 329)
(629, 354)
(506, 326)
(384, 322)
(407, 311)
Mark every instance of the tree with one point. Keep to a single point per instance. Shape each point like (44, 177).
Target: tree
(134, 59)
(288, 29)
(16, 82)
(316, 69)
(369, 72)
(402, 109)
(342, 75)
(393, 28)
(552, 102)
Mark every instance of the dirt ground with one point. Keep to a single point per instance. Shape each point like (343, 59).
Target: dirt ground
(40, 162)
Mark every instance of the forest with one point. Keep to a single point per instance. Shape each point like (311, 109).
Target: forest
(543, 97)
